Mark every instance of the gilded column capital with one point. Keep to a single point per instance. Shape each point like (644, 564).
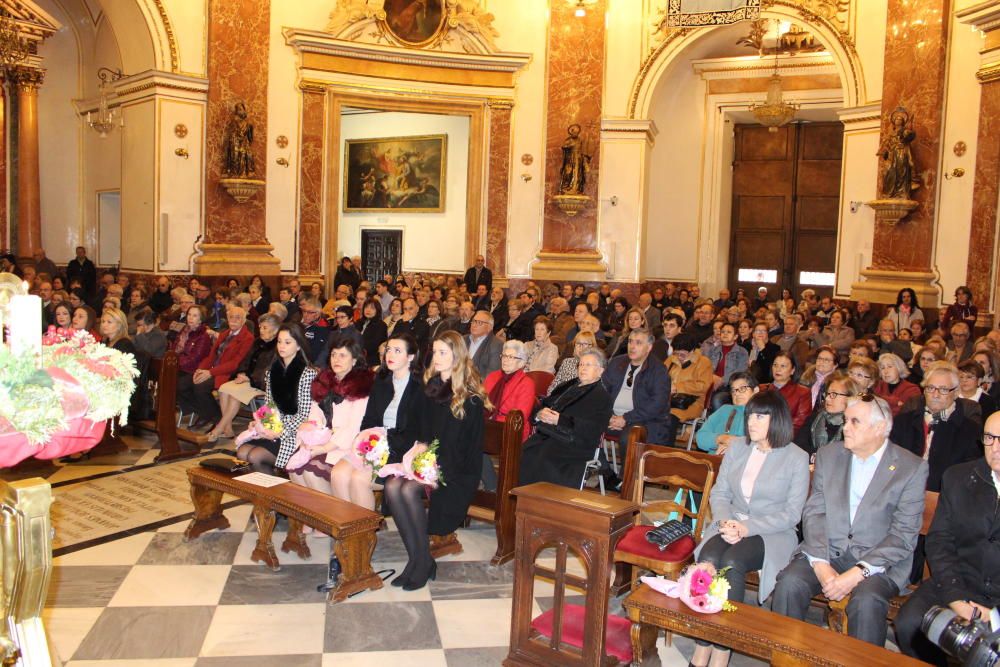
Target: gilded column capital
(26, 78)
(311, 86)
(500, 103)
(989, 73)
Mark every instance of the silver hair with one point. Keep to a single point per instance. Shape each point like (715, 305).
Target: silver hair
(650, 338)
(896, 361)
(941, 367)
(487, 315)
(517, 347)
(880, 411)
(596, 354)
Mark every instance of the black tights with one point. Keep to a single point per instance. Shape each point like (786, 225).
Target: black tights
(259, 458)
(406, 505)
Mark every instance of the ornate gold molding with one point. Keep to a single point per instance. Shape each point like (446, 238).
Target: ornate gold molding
(26, 78)
(310, 86)
(500, 103)
(988, 73)
(229, 259)
(171, 40)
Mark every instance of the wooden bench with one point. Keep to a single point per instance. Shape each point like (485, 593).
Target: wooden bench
(351, 526)
(503, 440)
(751, 630)
(164, 424)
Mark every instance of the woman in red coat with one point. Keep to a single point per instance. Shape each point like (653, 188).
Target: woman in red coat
(510, 388)
(194, 391)
(893, 386)
(799, 398)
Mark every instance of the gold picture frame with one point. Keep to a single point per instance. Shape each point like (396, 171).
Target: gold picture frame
(396, 174)
(414, 23)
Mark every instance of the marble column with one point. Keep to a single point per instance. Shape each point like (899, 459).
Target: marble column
(915, 72)
(29, 216)
(499, 183)
(234, 241)
(4, 211)
(980, 275)
(575, 96)
(311, 184)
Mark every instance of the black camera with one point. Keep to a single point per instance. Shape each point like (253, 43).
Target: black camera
(972, 642)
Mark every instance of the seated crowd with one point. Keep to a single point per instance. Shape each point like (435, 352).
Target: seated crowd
(879, 410)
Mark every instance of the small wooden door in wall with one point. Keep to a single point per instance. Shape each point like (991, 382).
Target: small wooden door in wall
(381, 253)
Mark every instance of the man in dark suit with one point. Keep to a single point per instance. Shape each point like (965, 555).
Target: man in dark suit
(860, 524)
(412, 324)
(961, 549)
(484, 348)
(941, 428)
(81, 267)
(478, 274)
(640, 387)
(481, 297)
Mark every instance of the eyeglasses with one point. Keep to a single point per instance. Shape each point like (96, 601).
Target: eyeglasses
(741, 390)
(510, 357)
(939, 391)
(989, 439)
(483, 323)
(869, 397)
(860, 376)
(584, 344)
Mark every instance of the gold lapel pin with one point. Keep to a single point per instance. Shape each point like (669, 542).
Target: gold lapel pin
(891, 468)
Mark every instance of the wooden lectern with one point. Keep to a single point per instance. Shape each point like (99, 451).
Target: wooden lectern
(566, 519)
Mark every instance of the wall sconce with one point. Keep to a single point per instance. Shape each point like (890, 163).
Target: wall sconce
(581, 7)
(282, 161)
(856, 205)
(105, 121)
(181, 152)
(957, 172)
(525, 177)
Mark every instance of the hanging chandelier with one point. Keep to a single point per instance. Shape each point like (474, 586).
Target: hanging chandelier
(13, 48)
(580, 7)
(774, 112)
(106, 116)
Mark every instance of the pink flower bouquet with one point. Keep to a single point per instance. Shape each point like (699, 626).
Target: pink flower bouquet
(419, 464)
(268, 421)
(311, 434)
(370, 451)
(701, 587)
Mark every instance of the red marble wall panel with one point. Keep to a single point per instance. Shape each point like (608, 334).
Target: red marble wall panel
(4, 213)
(311, 182)
(238, 42)
(574, 94)
(498, 189)
(915, 68)
(986, 189)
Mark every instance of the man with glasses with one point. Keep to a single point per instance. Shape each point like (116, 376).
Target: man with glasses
(959, 348)
(640, 386)
(477, 275)
(672, 326)
(888, 342)
(484, 348)
(860, 524)
(961, 548)
(943, 428)
(315, 328)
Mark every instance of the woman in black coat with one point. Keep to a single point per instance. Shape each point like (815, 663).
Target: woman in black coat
(372, 328)
(569, 426)
(453, 415)
(396, 400)
(762, 354)
(346, 275)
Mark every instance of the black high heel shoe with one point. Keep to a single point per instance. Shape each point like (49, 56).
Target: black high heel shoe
(415, 584)
(401, 580)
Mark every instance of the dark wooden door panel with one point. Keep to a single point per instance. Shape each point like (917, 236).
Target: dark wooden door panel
(786, 201)
(381, 253)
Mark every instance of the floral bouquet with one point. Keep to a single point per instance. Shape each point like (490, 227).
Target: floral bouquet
(311, 434)
(419, 464)
(371, 451)
(700, 586)
(268, 419)
(78, 378)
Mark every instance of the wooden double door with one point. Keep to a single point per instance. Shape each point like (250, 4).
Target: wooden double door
(786, 199)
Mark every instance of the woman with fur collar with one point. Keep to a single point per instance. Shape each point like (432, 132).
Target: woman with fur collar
(340, 395)
(287, 386)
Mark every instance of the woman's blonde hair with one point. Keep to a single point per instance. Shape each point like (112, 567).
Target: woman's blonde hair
(120, 320)
(465, 380)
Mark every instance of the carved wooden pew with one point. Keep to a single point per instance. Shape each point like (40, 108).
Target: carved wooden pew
(501, 439)
(164, 373)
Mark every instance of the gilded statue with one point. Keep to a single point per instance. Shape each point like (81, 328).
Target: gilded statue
(239, 161)
(575, 163)
(899, 178)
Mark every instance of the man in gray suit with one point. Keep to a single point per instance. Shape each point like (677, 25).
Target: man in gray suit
(484, 347)
(860, 524)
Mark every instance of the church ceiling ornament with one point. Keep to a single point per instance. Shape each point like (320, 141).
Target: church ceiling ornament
(460, 26)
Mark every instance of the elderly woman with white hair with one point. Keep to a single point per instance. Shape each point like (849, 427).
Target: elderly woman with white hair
(509, 388)
(569, 426)
(542, 352)
(893, 386)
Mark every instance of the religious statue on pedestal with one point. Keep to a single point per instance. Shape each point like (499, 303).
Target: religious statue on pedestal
(238, 156)
(899, 178)
(575, 164)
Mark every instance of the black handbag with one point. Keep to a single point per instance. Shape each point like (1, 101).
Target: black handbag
(230, 466)
(666, 534)
(555, 431)
(682, 401)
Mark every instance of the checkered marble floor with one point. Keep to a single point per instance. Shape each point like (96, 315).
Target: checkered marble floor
(151, 599)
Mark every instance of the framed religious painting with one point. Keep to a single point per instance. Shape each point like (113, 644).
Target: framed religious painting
(396, 174)
(414, 22)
